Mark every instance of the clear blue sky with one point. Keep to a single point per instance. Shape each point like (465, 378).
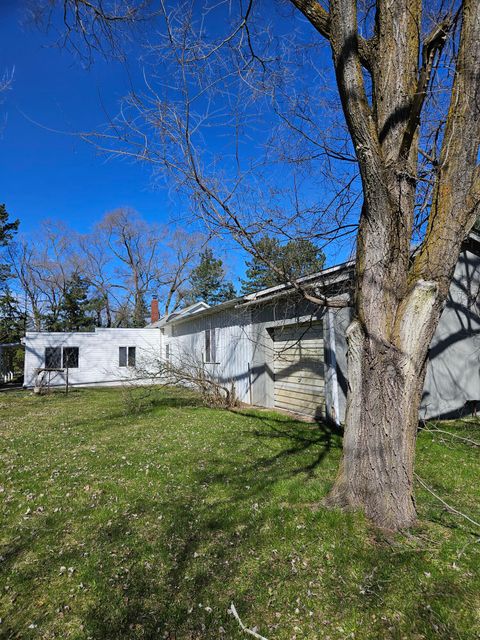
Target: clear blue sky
(47, 174)
(52, 175)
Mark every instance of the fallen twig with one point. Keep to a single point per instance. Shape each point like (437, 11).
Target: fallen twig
(445, 504)
(234, 613)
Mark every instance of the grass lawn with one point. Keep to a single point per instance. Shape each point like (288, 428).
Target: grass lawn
(149, 525)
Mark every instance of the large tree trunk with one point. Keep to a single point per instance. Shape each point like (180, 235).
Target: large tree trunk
(399, 298)
(385, 387)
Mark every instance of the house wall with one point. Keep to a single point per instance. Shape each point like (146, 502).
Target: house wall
(245, 346)
(453, 372)
(98, 354)
(233, 346)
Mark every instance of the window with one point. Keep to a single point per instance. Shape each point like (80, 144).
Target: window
(210, 350)
(53, 357)
(167, 352)
(70, 357)
(126, 356)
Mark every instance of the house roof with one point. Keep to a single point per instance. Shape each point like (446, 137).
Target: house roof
(336, 274)
(196, 307)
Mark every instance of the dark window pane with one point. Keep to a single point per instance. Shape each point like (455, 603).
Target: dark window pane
(207, 346)
(53, 358)
(131, 356)
(122, 356)
(70, 357)
(213, 346)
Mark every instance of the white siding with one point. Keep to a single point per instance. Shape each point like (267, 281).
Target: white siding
(98, 354)
(232, 344)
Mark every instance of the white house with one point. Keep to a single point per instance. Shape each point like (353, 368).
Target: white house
(276, 348)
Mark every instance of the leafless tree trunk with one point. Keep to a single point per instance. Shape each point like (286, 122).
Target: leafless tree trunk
(398, 301)
(180, 255)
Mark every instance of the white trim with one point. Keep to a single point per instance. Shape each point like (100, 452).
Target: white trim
(333, 366)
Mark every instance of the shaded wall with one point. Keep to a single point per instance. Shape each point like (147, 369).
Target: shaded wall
(452, 382)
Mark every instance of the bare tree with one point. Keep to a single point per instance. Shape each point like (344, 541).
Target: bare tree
(135, 245)
(407, 76)
(42, 269)
(22, 260)
(99, 271)
(180, 255)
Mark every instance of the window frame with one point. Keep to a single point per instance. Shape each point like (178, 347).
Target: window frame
(127, 357)
(210, 346)
(67, 365)
(122, 356)
(58, 357)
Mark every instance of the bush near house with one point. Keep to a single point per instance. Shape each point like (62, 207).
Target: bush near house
(150, 525)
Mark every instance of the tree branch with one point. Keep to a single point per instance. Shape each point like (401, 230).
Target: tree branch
(432, 48)
(320, 19)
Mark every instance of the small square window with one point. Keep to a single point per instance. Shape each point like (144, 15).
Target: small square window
(70, 357)
(53, 357)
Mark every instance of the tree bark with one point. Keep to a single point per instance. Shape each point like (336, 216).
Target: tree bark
(398, 299)
(385, 388)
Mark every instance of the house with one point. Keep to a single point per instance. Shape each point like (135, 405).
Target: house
(278, 349)
(102, 357)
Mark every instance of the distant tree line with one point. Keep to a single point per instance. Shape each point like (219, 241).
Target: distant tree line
(66, 281)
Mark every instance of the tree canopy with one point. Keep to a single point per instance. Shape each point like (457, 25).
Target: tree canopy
(274, 263)
(207, 281)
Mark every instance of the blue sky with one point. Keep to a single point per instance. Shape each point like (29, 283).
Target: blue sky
(46, 171)
(44, 174)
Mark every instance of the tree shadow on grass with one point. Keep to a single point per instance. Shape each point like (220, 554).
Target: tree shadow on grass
(299, 437)
(175, 577)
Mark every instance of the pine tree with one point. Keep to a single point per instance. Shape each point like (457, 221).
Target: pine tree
(75, 308)
(12, 318)
(7, 231)
(293, 260)
(207, 281)
(258, 274)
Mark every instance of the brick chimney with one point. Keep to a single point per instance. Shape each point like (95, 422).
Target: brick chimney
(154, 313)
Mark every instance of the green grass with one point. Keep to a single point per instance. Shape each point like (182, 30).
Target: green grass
(149, 525)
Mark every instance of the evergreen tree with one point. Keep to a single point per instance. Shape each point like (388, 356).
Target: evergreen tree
(207, 281)
(258, 274)
(140, 312)
(7, 231)
(295, 259)
(226, 292)
(75, 308)
(12, 318)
